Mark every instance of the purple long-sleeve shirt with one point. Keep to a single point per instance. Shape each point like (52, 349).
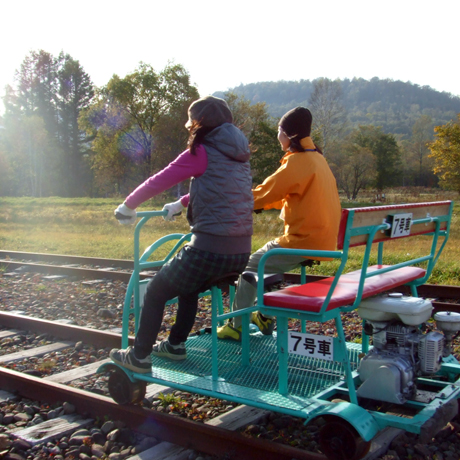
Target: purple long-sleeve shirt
(182, 168)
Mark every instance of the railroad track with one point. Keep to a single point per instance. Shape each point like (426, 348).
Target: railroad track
(445, 297)
(213, 440)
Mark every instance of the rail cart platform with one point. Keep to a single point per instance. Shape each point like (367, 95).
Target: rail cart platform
(408, 378)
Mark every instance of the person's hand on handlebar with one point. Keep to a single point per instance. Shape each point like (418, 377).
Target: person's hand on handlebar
(174, 209)
(125, 215)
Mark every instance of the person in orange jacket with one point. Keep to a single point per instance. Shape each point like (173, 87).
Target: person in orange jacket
(305, 190)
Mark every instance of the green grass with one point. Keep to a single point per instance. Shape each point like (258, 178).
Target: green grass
(87, 227)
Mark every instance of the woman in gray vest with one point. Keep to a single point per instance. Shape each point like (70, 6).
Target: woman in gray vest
(219, 210)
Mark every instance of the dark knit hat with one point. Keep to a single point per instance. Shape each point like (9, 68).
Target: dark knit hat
(209, 112)
(296, 123)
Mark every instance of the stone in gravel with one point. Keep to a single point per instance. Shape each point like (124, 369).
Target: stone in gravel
(14, 456)
(36, 420)
(20, 444)
(84, 449)
(106, 313)
(98, 438)
(22, 417)
(116, 456)
(80, 432)
(5, 441)
(68, 408)
(55, 450)
(78, 440)
(108, 427)
(113, 435)
(72, 453)
(145, 444)
(109, 445)
(98, 450)
(29, 410)
(8, 418)
(55, 413)
(253, 429)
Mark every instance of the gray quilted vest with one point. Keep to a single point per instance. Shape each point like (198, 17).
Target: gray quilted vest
(221, 200)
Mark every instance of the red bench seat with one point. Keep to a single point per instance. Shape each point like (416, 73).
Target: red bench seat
(310, 297)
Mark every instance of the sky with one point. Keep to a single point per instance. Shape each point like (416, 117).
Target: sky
(225, 44)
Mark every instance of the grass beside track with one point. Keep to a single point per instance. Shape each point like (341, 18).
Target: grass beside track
(87, 227)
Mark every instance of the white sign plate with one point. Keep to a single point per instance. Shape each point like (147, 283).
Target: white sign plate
(311, 345)
(401, 225)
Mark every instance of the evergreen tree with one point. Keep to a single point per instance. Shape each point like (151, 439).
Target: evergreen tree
(53, 90)
(75, 92)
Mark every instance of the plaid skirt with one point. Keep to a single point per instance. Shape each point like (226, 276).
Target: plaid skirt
(192, 269)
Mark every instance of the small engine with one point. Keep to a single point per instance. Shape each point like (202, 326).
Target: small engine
(401, 350)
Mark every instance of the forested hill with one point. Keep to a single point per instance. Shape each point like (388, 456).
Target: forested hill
(394, 105)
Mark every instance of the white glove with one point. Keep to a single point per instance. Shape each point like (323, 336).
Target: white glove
(174, 209)
(125, 215)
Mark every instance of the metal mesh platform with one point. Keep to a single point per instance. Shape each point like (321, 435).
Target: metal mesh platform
(259, 381)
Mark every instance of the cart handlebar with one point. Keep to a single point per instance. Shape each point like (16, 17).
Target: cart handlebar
(150, 214)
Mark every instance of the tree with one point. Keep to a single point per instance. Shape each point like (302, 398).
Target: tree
(75, 92)
(445, 150)
(329, 115)
(261, 131)
(266, 151)
(354, 166)
(53, 90)
(422, 134)
(131, 119)
(385, 150)
(29, 156)
(37, 88)
(388, 164)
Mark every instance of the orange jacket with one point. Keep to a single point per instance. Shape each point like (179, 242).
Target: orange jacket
(305, 189)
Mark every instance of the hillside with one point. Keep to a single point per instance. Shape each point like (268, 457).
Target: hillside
(394, 105)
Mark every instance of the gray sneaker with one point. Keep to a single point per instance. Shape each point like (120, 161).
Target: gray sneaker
(126, 358)
(166, 350)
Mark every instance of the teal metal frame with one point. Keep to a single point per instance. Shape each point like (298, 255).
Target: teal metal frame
(224, 370)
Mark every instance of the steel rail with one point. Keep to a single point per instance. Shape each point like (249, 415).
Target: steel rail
(76, 272)
(67, 331)
(67, 259)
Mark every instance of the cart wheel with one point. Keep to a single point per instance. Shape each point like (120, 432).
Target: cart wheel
(123, 391)
(338, 440)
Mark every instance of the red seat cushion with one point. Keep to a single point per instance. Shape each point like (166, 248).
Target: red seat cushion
(310, 297)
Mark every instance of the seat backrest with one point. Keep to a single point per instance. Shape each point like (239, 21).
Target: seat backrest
(402, 220)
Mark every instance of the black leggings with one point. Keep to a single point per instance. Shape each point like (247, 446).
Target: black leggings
(185, 276)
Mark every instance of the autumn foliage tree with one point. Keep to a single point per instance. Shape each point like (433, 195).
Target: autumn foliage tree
(445, 150)
(137, 125)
